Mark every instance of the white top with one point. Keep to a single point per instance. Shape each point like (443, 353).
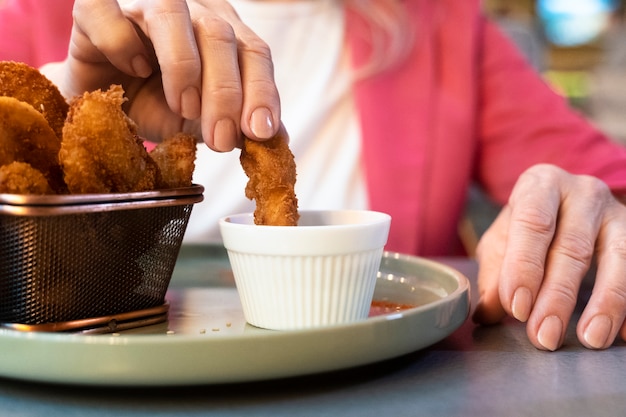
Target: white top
(312, 74)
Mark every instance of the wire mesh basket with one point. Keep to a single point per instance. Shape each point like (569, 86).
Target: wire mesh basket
(67, 258)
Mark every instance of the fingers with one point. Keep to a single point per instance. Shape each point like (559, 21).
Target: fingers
(238, 89)
(168, 26)
(568, 260)
(213, 67)
(100, 28)
(533, 206)
(222, 92)
(489, 254)
(261, 112)
(605, 311)
(538, 251)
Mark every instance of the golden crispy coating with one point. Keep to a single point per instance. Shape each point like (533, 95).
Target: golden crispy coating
(176, 157)
(90, 147)
(271, 169)
(100, 150)
(27, 84)
(22, 178)
(25, 136)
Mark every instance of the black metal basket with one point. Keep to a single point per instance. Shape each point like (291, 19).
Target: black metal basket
(71, 257)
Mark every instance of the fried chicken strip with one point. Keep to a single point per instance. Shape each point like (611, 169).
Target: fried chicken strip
(26, 136)
(100, 150)
(27, 84)
(176, 157)
(271, 169)
(22, 178)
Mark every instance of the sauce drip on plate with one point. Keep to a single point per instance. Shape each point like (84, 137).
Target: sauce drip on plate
(380, 307)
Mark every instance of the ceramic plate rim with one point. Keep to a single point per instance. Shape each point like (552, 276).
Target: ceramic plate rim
(164, 341)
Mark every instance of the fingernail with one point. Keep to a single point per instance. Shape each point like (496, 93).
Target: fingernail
(141, 66)
(550, 331)
(597, 332)
(190, 103)
(224, 135)
(261, 123)
(521, 304)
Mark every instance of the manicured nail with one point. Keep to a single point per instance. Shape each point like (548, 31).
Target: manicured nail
(224, 135)
(521, 304)
(597, 331)
(141, 66)
(550, 332)
(190, 103)
(261, 123)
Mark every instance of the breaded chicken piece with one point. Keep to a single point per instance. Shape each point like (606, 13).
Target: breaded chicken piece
(176, 157)
(27, 84)
(100, 150)
(25, 136)
(22, 178)
(271, 169)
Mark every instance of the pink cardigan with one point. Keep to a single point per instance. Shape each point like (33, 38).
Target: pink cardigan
(35, 31)
(466, 107)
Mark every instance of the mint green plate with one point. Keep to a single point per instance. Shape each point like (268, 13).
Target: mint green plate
(206, 339)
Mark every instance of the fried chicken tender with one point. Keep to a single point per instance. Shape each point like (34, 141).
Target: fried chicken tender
(271, 169)
(27, 84)
(22, 178)
(25, 136)
(175, 158)
(101, 151)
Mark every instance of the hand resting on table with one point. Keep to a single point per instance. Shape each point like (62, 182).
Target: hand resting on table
(535, 255)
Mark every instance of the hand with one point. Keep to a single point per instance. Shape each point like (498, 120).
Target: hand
(533, 258)
(188, 66)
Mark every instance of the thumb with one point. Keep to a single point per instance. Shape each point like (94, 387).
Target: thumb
(490, 253)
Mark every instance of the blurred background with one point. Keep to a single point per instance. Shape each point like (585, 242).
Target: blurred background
(580, 48)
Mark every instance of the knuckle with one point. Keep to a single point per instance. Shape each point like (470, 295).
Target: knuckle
(186, 67)
(216, 30)
(610, 299)
(618, 294)
(84, 7)
(536, 219)
(262, 86)
(256, 46)
(229, 90)
(575, 246)
(617, 247)
(529, 265)
(161, 7)
(563, 293)
(541, 172)
(593, 187)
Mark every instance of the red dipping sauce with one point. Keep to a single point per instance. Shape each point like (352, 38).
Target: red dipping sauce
(379, 307)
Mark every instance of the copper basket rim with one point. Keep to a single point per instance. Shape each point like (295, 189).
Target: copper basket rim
(42, 205)
(42, 267)
(99, 325)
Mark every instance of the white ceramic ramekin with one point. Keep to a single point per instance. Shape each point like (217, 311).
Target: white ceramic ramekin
(321, 272)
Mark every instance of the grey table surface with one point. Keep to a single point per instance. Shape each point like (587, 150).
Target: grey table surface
(476, 371)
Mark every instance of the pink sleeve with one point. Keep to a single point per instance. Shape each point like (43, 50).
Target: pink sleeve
(524, 122)
(35, 31)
